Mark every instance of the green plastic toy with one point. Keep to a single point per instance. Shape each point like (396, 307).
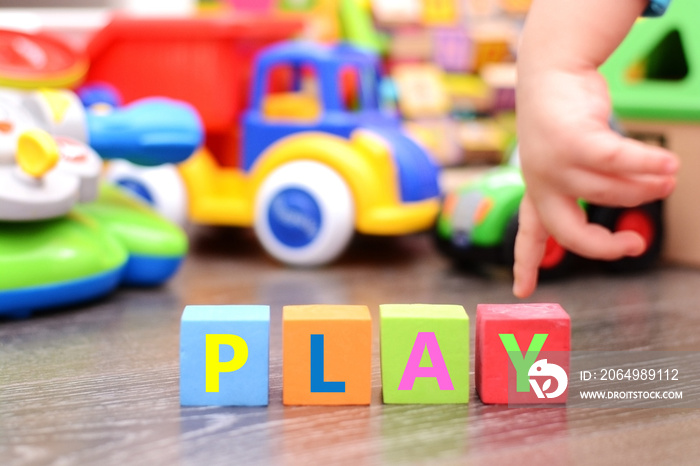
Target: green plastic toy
(115, 240)
(358, 27)
(64, 238)
(478, 222)
(654, 74)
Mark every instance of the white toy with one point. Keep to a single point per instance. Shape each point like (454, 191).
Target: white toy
(45, 164)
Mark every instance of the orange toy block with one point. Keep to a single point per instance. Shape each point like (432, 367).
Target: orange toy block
(516, 7)
(493, 42)
(327, 355)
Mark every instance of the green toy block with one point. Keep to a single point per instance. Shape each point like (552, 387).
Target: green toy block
(424, 353)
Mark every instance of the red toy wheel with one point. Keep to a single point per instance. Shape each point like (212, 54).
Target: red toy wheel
(647, 220)
(556, 263)
(639, 221)
(554, 254)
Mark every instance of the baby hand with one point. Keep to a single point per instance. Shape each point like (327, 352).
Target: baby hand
(569, 153)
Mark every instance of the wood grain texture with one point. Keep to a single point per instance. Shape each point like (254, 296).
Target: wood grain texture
(99, 384)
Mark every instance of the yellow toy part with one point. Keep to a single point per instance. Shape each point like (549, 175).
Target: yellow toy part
(468, 92)
(440, 12)
(37, 152)
(364, 162)
(58, 103)
(291, 106)
(217, 195)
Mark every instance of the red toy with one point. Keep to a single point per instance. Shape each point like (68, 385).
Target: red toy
(522, 353)
(36, 60)
(204, 60)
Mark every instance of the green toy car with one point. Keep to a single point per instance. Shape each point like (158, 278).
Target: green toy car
(478, 223)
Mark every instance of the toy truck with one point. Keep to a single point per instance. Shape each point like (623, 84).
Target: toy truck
(297, 144)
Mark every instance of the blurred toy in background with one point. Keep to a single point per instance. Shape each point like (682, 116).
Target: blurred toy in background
(257, 6)
(42, 176)
(64, 238)
(31, 61)
(298, 145)
(453, 49)
(478, 222)
(457, 40)
(457, 59)
(204, 60)
(655, 90)
(320, 18)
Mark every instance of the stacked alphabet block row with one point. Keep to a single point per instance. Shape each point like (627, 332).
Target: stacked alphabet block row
(327, 354)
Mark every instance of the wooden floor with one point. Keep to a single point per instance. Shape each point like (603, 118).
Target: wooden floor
(99, 384)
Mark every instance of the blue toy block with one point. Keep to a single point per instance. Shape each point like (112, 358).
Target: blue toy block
(224, 356)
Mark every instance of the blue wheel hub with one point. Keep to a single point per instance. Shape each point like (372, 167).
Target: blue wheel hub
(294, 217)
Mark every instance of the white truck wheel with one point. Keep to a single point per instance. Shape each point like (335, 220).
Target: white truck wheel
(304, 214)
(161, 187)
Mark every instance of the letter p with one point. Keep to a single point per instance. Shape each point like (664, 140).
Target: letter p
(214, 366)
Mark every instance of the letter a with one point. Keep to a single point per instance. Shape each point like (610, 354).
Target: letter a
(426, 341)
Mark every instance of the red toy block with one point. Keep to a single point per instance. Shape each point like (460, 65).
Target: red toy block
(522, 353)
